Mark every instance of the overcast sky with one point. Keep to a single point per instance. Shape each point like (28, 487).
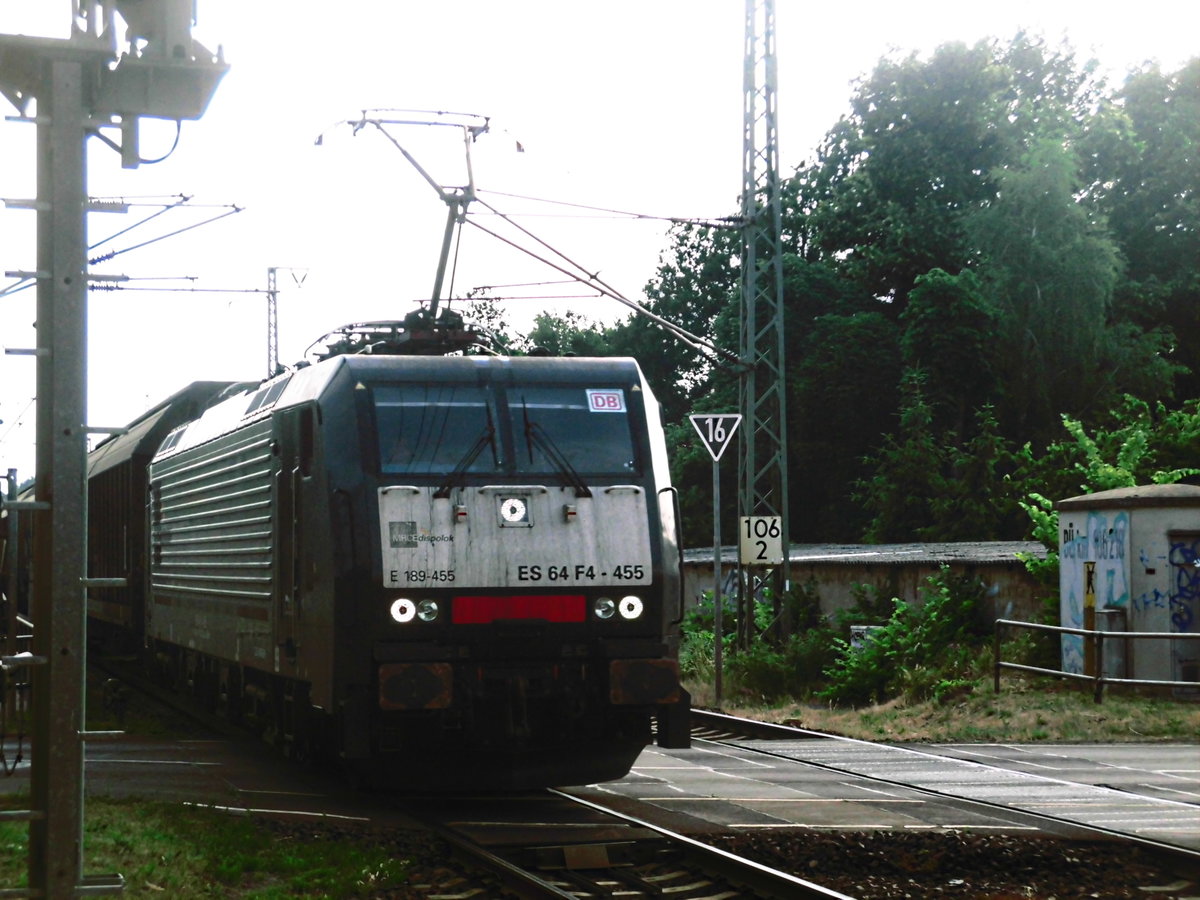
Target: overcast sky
(629, 105)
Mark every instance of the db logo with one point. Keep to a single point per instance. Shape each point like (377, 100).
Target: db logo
(606, 401)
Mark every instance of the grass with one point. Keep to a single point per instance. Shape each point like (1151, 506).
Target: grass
(1025, 711)
(168, 850)
(165, 850)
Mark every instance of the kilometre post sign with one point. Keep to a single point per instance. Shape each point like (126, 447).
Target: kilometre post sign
(760, 541)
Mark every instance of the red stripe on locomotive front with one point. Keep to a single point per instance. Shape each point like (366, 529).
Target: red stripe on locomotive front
(480, 610)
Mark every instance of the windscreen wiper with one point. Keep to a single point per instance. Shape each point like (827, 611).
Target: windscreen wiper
(485, 439)
(535, 435)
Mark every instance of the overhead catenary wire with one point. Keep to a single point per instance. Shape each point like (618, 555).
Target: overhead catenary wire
(105, 257)
(178, 201)
(459, 199)
(16, 423)
(181, 200)
(717, 354)
(705, 221)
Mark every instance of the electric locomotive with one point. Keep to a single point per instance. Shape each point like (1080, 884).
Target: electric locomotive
(454, 572)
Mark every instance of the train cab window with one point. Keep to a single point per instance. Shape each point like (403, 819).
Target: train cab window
(588, 427)
(433, 429)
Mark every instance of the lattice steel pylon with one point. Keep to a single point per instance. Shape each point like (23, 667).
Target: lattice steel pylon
(762, 461)
(107, 74)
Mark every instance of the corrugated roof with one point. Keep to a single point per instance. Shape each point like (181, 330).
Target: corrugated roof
(890, 554)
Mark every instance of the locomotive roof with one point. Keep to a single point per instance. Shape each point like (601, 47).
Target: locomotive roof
(535, 368)
(309, 383)
(144, 434)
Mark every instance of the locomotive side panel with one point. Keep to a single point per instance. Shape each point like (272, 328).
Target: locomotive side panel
(211, 544)
(303, 582)
(117, 526)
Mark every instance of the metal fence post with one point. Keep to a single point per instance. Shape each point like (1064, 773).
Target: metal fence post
(996, 658)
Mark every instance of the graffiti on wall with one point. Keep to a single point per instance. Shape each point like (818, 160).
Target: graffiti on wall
(1093, 572)
(1185, 586)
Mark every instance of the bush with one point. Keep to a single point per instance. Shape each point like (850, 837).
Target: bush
(921, 652)
(928, 650)
(792, 668)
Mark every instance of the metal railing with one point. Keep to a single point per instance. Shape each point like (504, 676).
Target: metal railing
(1097, 638)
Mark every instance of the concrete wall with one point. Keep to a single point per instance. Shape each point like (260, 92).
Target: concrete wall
(1012, 593)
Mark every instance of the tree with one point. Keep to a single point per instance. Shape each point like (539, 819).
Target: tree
(843, 380)
(1050, 267)
(921, 148)
(1146, 181)
(966, 223)
(906, 472)
(696, 288)
(950, 335)
(976, 499)
(485, 315)
(570, 334)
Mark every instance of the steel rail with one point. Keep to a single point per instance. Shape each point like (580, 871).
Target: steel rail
(763, 881)
(732, 725)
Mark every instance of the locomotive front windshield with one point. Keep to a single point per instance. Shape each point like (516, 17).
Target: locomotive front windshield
(436, 429)
(588, 428)
(433, 429)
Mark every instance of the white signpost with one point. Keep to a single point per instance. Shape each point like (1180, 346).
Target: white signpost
(716, 431)
(760, 541)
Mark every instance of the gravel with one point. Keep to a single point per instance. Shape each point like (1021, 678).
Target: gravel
(868, 866)
(956, 864)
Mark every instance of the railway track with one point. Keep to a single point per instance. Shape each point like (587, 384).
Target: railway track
(1085, 810)
(549, 844)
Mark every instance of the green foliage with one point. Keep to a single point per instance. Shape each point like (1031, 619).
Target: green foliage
(1129, 451)
(991, 246)
(920, 651)
(696, 656)
(487, 316)
(764, 671)
(906, 472)
(928, 649)
(570, 334)
(1044, 528)
(1126, 453)
(950, 336)
(761, 671)
(975, 497)
(844, 368)
(163, 849)
(870, 607)
(1051, 268)
(1147, 184)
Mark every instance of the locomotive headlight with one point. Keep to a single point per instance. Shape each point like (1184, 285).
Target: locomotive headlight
(630, 607)
(427, 610)
(604, 607)
(403, 610)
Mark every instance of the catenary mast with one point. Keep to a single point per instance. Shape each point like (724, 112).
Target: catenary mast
(762, 461)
